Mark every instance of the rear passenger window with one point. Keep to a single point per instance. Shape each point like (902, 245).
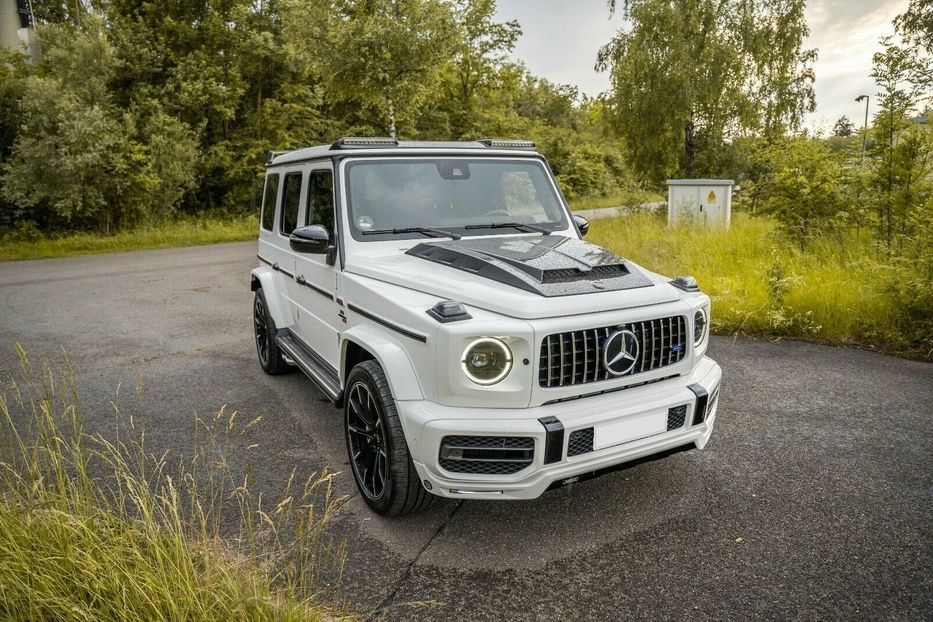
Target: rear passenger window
(321, 200)
(268, 201)
(291, 197)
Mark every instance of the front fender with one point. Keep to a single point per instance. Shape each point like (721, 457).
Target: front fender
(390, 354)
(263, 277)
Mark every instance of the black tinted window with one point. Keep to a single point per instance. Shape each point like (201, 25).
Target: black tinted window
(268, 201)
(321, 200)
(291, 195)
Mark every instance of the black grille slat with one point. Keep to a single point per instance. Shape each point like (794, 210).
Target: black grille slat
(575, 357)
(486, 455)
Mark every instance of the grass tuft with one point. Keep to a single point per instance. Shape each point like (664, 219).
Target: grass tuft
(838, 289)
(93, 529)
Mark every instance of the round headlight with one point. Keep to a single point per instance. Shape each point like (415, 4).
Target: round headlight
(700, 324)
(487, 360)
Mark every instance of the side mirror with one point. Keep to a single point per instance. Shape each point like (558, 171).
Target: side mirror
(582, 224)
(310, 239)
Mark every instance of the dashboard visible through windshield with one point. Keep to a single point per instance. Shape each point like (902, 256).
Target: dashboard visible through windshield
(416, 197)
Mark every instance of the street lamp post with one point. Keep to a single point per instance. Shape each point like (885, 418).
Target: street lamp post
(864, 126)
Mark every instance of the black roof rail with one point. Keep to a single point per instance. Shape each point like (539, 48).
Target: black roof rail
(351, 142)
(508, 144)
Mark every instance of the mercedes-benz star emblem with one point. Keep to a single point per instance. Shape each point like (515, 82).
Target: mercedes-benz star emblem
(620, 352)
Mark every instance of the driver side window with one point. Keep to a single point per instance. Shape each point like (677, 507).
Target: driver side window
(321, 200)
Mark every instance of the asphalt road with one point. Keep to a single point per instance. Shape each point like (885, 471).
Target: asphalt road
(812, 500)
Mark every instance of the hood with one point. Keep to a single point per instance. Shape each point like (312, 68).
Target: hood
(549, 265)
(520, 276)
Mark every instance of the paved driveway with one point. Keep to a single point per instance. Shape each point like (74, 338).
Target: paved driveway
(813, 499)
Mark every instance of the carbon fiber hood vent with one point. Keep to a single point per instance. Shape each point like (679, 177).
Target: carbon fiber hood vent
(549, 265)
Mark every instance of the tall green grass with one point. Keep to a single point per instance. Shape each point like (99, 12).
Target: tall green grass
(34, 244)
(98, 529)
(837, 289)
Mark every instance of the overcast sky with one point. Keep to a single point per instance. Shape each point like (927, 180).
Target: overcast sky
(561, 37)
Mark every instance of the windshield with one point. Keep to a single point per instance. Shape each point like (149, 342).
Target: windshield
(455, 195)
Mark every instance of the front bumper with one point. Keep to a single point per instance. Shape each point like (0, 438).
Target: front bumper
(427, 423)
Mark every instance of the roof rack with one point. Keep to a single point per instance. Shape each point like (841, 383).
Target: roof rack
(350, 142)
(508, 144)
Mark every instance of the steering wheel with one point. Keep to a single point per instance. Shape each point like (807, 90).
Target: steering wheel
(497, 212)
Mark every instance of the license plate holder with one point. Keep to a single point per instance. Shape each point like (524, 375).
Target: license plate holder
(629, 429)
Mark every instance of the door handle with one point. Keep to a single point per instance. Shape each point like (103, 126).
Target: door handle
(300, 279)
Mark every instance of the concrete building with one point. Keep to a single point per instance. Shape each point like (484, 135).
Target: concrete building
(16, 25)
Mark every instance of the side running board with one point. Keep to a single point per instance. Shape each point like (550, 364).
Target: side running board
(323, 375)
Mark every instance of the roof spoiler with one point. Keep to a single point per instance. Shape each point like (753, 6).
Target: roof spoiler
(274, 154)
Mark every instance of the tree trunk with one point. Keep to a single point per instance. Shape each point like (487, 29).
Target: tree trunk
(390, 117)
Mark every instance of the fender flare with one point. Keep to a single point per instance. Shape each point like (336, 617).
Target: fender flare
(390, 355)
(263, 277)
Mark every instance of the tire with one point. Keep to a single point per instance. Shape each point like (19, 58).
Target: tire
(270, 356)
(376, 445)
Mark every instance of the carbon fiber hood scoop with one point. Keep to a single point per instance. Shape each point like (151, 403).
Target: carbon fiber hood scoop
(550, 265)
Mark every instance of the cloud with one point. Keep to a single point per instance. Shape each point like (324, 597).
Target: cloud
(846, 33)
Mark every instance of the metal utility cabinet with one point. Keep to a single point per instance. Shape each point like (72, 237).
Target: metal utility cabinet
(700, 201)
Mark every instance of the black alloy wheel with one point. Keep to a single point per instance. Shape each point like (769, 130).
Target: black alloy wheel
(366, 438)
(270, 356)
(376, 446)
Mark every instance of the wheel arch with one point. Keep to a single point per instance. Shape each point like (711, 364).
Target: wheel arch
(263, 278)
(365, 342)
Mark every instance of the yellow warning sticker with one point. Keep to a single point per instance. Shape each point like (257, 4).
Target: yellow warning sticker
(711, 198)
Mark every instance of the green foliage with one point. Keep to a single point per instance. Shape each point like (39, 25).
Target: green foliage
(383, 58)
(903, 149)
(831, 290)
(723, 70)
(916, 24)
(140, 110)
(93, 529)
(805, 187)
(843, 127)
(79, 161)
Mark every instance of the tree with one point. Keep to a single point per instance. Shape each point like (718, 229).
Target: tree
(843, 127)
(691, 76)
(916, 24)
(379, 56)
(803, 186)
(79, 161)
(902, 150)
(481, 49)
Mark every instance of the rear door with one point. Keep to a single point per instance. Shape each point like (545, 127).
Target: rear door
(273, 250)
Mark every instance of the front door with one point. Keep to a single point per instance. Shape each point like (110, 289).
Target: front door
(315, 286)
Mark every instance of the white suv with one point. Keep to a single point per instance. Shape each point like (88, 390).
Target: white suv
(442, 296)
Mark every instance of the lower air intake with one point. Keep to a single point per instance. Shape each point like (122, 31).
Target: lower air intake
(676, 417)
(486, 455)
(580, 442)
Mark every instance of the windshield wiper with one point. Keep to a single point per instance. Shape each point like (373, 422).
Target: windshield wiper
(521, 226)
(425, 230)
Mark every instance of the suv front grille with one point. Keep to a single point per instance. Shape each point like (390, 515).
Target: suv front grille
(486, 455)
(577, 357)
